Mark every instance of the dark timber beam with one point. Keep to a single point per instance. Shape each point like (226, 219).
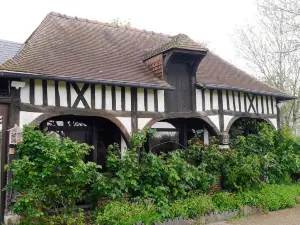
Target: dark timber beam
(134, 117)
(221, 110)
(14, 119)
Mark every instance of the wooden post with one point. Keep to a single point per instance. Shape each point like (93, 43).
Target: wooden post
(221, 111)
(134, 119)
(278, 114)
(14, 118)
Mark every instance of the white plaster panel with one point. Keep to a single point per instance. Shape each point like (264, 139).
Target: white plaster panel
(230, 96)
(62, 93)
(98, 96)
(274, 122)
(274, 105)
(150, 95)
(118, 98)
(259, 109)
(270, 104)
(25, 93)
(207, 99)
(227, 120)
(215, 100)
(74, 94)
(236, 98)
(206, 136)
(51, 92)
(242, 102)
(163, 125)
(224, 98)
(88, 97)
(140, 99)
(108, 98)
(127, 99)
(161, 100)
(38, 92)
(123, 146)
(142, 122)
(126, 121)
(27, 117)
(199, 99)
(215, 119)
(265, 104)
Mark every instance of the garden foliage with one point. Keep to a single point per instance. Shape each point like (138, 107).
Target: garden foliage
(51, 177)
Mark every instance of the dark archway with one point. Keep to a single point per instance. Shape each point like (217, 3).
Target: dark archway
(174, 133)
(243, 126)
(232, 121)
(205, 119)
(45, 116)
(97, 131)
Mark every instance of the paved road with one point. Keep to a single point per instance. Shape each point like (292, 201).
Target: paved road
(282, 217)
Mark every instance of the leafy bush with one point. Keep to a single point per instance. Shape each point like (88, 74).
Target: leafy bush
(208, 156)
(269, 198)
(194, 205)
(49, 174)
(268, 156)
(126, 213)
(272, 197)
(226, 202)
(159, 177)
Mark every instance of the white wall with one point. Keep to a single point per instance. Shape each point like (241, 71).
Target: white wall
(27, 117)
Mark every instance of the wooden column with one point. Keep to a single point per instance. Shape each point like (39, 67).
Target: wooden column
(183, 135)
(223, 138)
(221, 111)
(14, 118)
(278, 114)
(134, 119)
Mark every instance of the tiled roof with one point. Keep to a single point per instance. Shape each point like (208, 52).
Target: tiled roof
(215, 72)
(8, 49)
(68, 47)
(72, 48)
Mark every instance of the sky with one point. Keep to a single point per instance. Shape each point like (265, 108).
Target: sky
(213, 22)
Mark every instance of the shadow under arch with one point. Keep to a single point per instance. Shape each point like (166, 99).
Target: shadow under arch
(114, 120)
(207, 121)
(231, 122)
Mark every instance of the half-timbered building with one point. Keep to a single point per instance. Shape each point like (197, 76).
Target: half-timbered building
(98, 83)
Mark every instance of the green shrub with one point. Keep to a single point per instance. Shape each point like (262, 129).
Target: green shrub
(269, 198)
(146, 175)
(49, 174)
(126, 213)
(272, 197)
(226, 202)
(268, 156)
(191, 207)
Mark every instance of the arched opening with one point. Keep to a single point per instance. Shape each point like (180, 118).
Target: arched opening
(97, 131)
(174, 133)
(243, 126)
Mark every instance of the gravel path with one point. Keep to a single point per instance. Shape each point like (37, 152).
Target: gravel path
(282, 217)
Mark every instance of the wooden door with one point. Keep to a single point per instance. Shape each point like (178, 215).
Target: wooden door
(3, 148)
(179, 100)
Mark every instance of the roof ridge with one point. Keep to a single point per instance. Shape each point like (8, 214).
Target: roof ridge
(107, 24)
(13, 42)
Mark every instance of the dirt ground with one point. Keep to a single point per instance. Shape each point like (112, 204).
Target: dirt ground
(282, 217)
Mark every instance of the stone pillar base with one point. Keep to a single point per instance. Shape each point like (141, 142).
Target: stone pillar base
(11, 220)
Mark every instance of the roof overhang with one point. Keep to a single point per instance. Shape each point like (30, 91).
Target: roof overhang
(18, 75)
(225, 87)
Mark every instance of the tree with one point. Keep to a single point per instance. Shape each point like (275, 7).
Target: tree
(120, 23)
(271, 50)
